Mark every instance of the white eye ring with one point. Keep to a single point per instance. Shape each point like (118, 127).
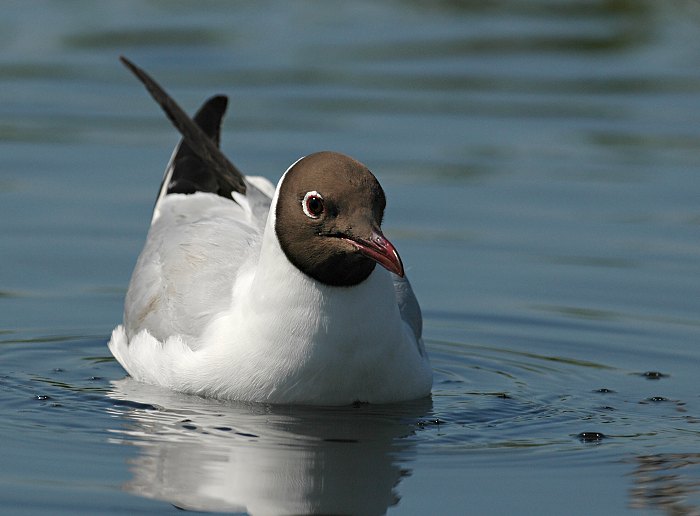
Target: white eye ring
(312, 205)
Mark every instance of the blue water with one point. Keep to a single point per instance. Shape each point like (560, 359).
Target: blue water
(540, 160)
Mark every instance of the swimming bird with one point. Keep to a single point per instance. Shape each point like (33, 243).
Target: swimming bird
(289, 294)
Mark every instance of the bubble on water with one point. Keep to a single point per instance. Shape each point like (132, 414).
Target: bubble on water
(591, 437)
(653, 375)
(430, 422)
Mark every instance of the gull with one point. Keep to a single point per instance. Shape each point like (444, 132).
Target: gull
(289, 294)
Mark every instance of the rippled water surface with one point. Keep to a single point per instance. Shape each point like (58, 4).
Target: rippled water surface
(540, 160)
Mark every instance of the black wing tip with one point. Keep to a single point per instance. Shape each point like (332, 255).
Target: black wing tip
(201, 144)
(210, 116)
(131, 66)
(219, 101)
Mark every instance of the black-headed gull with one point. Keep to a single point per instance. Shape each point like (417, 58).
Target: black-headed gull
(249, 292)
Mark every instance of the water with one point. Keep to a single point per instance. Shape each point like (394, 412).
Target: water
(540, 160)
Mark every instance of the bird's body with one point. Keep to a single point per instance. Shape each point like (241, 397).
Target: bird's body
(270, 294)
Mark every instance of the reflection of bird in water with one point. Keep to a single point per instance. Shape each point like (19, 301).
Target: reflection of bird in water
(668, 482)
(212, 455)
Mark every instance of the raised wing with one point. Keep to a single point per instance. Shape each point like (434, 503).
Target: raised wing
(195, 137)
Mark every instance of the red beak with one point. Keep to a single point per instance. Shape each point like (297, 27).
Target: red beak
(379, 249)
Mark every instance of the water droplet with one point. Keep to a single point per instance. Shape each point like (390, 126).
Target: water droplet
(430, 422)
(657, 399)
(591, 437)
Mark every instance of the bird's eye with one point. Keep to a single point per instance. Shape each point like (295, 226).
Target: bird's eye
(312, 205)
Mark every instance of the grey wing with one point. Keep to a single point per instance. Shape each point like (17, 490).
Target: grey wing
(409, 308)
(206, 223)
(188, 265)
